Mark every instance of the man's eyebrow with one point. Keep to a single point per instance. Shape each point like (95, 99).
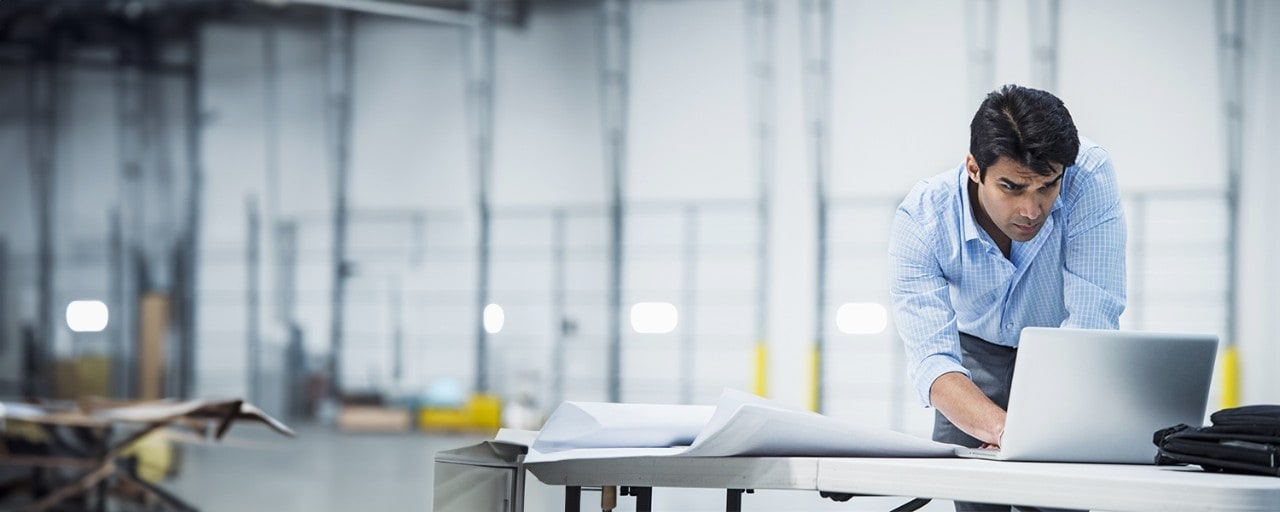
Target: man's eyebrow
(1055, 180)
(1015, 186)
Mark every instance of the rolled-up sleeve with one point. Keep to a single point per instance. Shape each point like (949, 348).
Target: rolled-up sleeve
(1093, 278)
(922, 308)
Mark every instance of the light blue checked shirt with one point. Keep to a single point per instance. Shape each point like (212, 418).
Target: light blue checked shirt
(948, 276)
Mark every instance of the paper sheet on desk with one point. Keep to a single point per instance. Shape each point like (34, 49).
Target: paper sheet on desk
(576, 425)
(741, 424)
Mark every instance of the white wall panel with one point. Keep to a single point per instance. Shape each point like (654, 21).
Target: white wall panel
(1140, 78)
(409, 134)
(688, 111)
(547, 139)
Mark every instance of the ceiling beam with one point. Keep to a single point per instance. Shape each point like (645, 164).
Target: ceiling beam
(394, 9)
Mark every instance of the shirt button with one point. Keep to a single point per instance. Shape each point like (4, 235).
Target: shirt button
(1008, 326)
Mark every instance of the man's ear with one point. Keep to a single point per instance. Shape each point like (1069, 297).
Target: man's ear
(971, 164)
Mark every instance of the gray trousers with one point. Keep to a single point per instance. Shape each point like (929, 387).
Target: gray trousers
(991, 368)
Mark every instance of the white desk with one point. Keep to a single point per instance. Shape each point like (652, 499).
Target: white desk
(637, 476)
(1116, 488)
(696, 472)
(1078, 486)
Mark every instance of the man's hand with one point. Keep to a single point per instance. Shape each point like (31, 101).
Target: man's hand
(968, 408)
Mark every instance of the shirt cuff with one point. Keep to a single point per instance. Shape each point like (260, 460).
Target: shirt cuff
(932, 367)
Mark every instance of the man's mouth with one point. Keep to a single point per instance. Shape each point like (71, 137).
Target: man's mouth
(1025, 229)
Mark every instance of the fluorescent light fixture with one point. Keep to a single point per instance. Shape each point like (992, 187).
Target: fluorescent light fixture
(654, 317)
(494, 319)
(87, 315)
(862, 318)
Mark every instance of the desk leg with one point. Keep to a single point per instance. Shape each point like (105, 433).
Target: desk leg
(572, 498)
(643, 496)
(733, 501)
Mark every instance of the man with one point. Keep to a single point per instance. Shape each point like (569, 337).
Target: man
(1028, 231)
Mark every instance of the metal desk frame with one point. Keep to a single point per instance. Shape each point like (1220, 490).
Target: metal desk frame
(1118, 488)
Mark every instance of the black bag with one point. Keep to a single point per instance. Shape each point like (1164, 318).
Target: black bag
(1241, 440)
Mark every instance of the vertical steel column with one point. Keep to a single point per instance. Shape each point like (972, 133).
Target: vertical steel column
(418, 240)
(1044, 44)
(760, 34)
(129, 100)
(339, 97)
(688, 318)
(615, 34)
(271, 166)
(558, 309)
(286, 279)
(158, 225)
(4, 294)
(480, 92)
(397, 335)
(816, 31)
(121, 368)
(194, 118)
(981, 38)
(1230, 22)
(42, 88)
(253, 338)
(295, 366)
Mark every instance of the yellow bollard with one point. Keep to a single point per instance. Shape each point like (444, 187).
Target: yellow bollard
(815, 380)
(762, 369)
(1230, 377)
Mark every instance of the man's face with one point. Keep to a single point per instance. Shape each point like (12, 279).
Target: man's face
(1016, 199)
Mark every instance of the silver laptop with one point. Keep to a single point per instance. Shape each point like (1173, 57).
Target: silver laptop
(1083, 395)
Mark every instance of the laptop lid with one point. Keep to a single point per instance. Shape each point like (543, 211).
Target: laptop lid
(1081, 395)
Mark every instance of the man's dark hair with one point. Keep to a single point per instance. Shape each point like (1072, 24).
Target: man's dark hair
(1028, 126)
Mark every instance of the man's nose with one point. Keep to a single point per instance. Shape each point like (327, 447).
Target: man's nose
(1030, 209)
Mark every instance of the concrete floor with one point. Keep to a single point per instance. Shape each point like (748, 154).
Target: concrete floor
(323, 470)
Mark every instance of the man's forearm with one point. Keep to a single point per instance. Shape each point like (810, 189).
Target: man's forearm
(967, 407)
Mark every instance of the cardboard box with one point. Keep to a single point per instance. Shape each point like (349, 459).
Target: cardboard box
(154, 313)
(374, 419)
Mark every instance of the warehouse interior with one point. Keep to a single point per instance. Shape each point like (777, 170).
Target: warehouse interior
(397, 225)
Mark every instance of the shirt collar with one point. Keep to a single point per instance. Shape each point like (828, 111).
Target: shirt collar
(969, 224)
